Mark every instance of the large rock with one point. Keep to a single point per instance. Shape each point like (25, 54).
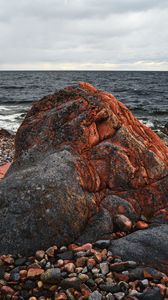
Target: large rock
(81, 158)
(148, 246)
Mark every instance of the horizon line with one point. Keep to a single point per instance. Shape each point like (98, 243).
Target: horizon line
(81, 70)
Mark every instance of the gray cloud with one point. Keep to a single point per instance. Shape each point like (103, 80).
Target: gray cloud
(70, 34)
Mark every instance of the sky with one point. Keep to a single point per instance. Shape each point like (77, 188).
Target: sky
(84, 35)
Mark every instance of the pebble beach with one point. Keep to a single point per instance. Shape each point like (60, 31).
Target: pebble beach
(72, 272)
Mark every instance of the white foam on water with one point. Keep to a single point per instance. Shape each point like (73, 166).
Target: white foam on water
(148, 123)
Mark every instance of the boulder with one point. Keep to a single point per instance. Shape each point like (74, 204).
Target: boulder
(148, 246)
(81, 158)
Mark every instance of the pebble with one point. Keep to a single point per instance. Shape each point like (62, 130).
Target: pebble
(104, 267)
(40, 254)
(51, 275)
(66, 274)
(34, 272)
(83, 277)
(123, 223)
(73, 282)
(142, 225)
(95, 296)
(70, 268)
(119, 296)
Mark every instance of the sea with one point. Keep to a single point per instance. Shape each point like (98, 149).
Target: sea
(145, 93)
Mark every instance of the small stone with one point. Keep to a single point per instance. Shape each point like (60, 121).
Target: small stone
(72, 275)
(123, 286)
(85, 270)
(85, 291)
(70, 267)
(81, 254)
(61, 296)
(110, 296)
(48, 265)
(63, 249)
(40, 254)
(101, 244)
(104, 267)
(29, 284)
(15, 276)
(51, 251)
(110, 288)
(7, 276)
(60, 263)
(40, 284)
(99, 281)
(119, 296)
(145, 282)
(73, 282)
(7, 290)
(95, 270)
(134, 293)
(83, 277)
(70, 295)
(123, 223)
(142, 225)
(34, 272)
(162, 289)
(20, 261)
(67, 255)
(81, 261)
(151, 294)
(79, 270)
(84, 247)
(23, 274)
(7, 259)
(95, 296)
(90, 283)
(91, 262)
(51, 276)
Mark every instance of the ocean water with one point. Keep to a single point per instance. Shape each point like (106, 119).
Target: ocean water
(144, 93)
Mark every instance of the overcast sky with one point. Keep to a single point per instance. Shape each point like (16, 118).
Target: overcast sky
(84, 34)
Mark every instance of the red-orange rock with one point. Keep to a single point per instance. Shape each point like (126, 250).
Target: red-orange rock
(142, 225)
(81, 158)
(34, 272)
(4, 169)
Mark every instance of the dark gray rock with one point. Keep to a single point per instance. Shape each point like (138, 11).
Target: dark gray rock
(151, 294)
(42, 204)
(51, 276)
(148, 247)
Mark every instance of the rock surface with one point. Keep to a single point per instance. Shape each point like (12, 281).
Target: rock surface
(81, 158)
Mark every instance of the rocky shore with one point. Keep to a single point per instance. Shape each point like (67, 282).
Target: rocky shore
(88, 271)
(91, 180)
(6, 147)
